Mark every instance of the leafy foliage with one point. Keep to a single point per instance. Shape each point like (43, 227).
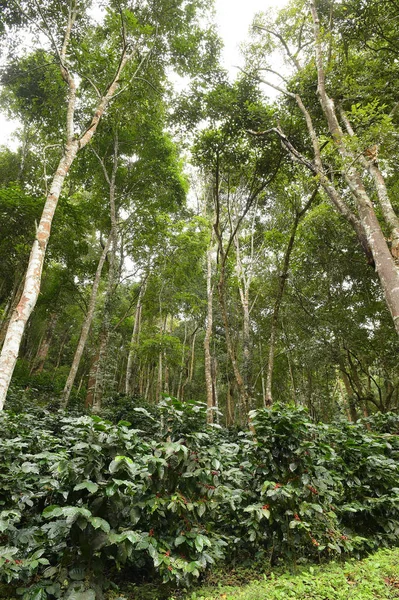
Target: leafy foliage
(81, 496)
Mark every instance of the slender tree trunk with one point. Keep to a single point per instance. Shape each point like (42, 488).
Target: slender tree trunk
(190, 368)
(19, 319)
(349, 389)
(64, 340)
(280, 293)
(85, 327)
(215, 388)
(80, 383)
(183, 360)
(243, 401)
(112, 276)
(207, 340)
(44, 346)
(159, 378)
(134, 339)
(91, 383)
(147, 389)
(262, 375)
(229, 406)
(192, 359)
(245, 279)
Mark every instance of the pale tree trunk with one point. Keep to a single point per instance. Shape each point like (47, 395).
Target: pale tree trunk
(85, 327)
(159, 379)
(262, 374)
(210, 397)
(159, 387)
(290, 367)
(19, 319)
(243, 400)
(148, 382)
(384, 262)
(166, 376)
(215, 388)
(112, 274)
(366, 226)
(388, 212)
(11, 306)
(221, 287)
(92, 380)
(191, 362)
(279, 298)
(183, 359)
(45, 343)
(134, 339)
(192, 359)
(243, 287)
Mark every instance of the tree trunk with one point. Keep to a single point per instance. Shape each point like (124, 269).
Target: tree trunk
(384, 262)
(243, 401)
(10, 307)
(387, 210)
(85, 327)
(44, 346)
(207, 340)
(112, 274)
(280, 293)
(159, 378)
(179, 394)
(91, 383)
(19, 319)
(134, 339)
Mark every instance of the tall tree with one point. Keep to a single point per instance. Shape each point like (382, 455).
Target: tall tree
(304, 41)
(92, 60)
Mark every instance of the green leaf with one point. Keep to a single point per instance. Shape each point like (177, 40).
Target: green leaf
(28, 467)
(99, 523)
(86, 485)
(179, 540)
(199, 543)
(52, 511)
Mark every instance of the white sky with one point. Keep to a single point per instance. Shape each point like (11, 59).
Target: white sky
(233, 17)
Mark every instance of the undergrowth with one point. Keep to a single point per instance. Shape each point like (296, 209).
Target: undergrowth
(85, 502)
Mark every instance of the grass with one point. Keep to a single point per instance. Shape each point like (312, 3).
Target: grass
(373, 578)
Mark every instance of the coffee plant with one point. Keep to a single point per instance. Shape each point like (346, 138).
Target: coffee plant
(165, 495)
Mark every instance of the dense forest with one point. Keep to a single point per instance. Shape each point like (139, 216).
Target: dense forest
(199, 290)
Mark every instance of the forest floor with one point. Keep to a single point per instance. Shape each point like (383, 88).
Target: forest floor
(375, 577)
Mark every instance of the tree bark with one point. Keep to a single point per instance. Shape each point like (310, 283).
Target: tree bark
(10, 307)
(134, 339)
(243, 287)
(19, 319)
(390, 217)
(45, 343)
(280, 293)
(210, 399)
(112, 274)
(85, 327)
(179, 394)
(384, 263)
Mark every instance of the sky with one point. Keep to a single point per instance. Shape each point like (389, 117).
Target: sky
(233, 18)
